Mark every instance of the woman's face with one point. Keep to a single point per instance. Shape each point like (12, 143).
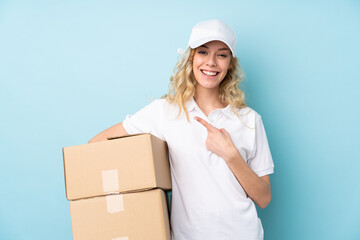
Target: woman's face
(211, 63)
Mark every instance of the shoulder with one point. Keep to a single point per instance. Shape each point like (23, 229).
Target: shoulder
(162, 105)
(160, 101)
(248, 116)
(157, 103)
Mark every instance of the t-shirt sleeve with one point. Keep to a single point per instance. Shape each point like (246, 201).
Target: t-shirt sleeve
(146, 120)
(261, 162)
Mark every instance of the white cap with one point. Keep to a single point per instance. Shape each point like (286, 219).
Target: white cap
(212, 30)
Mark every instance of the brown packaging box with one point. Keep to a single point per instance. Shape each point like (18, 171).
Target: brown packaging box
(129, 216)
(132, 163)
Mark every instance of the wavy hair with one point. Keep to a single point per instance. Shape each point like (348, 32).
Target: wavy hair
(182, 84)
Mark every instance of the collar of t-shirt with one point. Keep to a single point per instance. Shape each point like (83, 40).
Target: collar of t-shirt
(192, 106)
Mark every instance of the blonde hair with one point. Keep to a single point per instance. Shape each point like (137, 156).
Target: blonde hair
(182, 84)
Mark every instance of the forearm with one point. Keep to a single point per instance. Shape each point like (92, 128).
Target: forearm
(117, 130)
(257, 188)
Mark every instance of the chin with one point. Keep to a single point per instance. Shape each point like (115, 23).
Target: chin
(208, 86)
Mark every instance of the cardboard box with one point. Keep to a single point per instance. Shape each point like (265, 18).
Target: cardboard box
(129, 216)
(132, 163)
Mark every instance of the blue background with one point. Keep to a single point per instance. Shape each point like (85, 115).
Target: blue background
(70, 69)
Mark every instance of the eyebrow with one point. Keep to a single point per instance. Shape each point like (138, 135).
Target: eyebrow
(220, 49)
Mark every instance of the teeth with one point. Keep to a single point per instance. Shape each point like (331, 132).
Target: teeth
(209, 73)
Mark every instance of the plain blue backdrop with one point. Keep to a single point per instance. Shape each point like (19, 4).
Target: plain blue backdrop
(70, 69)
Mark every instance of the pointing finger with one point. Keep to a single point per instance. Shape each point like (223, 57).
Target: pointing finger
(208, 126)
(223, 131)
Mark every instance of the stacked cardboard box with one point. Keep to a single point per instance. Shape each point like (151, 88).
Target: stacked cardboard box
(116, 189)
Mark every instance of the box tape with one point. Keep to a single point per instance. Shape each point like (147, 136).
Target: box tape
(121, 238)
(114, 203)
(110, 180)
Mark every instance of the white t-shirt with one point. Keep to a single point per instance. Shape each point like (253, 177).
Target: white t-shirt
(208, 203)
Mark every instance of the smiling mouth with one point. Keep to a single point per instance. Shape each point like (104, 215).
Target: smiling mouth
(209, 73)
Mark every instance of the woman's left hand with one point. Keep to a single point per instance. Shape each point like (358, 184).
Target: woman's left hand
(218, 141)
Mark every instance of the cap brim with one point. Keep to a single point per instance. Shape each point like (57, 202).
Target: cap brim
(202, 41)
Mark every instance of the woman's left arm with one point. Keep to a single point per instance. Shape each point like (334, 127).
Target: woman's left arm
(219, 142)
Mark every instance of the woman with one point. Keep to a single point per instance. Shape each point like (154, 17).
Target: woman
(219, 155)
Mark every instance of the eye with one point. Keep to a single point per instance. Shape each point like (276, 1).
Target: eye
(203, 52)
(222, 55)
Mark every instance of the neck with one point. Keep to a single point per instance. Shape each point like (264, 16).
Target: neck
(208, 100)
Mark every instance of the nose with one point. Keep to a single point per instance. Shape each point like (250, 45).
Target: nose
(211, 61)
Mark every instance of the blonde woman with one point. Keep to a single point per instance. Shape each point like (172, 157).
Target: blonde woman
(219, 154)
